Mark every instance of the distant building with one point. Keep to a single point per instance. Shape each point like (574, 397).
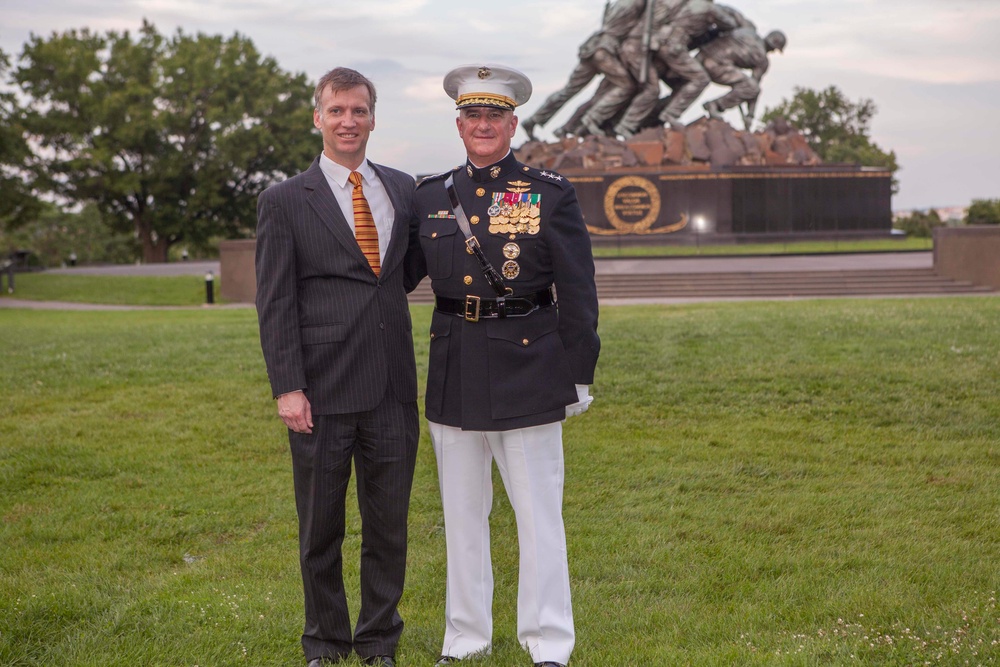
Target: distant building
(948, 214)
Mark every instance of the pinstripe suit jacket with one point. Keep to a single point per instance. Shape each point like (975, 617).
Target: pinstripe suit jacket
(327, 324)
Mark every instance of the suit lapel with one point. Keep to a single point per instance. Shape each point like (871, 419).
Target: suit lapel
(322, 201)
(400, 220)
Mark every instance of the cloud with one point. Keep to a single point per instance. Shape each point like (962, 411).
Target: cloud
(931, 42)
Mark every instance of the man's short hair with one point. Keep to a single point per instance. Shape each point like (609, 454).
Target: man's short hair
(343, 78)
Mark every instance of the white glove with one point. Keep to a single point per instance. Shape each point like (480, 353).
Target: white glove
(585, 399)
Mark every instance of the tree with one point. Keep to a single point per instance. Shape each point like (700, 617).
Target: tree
(54, 236)
(18, 203)
(920, 224)
(172, 139)
(983, 212)
(835, 127)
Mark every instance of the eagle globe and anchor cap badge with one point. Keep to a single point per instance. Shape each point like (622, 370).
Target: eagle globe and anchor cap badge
(487, 85)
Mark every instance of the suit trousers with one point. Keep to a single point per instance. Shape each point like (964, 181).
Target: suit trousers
(530, 461)
(382, 443)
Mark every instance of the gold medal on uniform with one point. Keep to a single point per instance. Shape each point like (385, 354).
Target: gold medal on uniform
(510, 269)
(515, 213)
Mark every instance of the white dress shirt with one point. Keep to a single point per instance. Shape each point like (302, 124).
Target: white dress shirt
(378, 198)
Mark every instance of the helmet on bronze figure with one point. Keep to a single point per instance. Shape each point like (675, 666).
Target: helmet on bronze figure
(775, 41)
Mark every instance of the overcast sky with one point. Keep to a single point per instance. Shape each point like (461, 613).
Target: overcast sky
(931, 66)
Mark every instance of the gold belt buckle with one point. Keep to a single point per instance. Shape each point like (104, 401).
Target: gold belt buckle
(471, 308)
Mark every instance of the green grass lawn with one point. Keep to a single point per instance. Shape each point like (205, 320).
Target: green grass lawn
(112, 290)
(765, 483)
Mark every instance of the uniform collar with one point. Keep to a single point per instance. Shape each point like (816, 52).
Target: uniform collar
(492, 172)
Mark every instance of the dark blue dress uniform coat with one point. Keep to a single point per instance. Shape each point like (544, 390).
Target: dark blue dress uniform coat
(501, 374)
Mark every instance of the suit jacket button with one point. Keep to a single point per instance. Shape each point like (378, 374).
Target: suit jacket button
(381, 325)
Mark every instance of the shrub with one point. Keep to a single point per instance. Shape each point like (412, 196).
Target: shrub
(983, 212)
(920, 224)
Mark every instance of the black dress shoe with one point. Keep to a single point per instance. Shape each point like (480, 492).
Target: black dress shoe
(379, 661)
(549, 663)
(446, 660)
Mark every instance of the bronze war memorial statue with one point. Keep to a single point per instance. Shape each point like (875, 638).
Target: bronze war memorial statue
(643, 176)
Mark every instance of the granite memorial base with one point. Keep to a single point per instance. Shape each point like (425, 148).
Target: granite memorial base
(751, 204)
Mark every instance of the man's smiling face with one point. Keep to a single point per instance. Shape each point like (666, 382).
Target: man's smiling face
(346, 119)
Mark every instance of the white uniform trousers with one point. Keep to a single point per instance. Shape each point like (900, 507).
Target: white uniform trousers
(530, 461)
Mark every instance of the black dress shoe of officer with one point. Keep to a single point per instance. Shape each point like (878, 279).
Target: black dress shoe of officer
(379, 661)
(549, 663)
(446, 660)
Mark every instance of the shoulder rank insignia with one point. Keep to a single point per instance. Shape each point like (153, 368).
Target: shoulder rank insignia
(549, 174)
(434, 177)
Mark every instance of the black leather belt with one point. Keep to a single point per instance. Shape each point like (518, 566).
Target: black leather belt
(473, 308)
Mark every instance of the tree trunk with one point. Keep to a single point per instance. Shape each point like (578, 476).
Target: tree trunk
(154, 250)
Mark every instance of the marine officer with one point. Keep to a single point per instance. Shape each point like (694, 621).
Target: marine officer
(513, 347)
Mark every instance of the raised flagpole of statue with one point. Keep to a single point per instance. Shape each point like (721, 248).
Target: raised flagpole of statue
(654, 59)
(642, 171)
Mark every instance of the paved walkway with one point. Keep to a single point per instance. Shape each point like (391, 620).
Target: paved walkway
(605, 266)
(612, 265)
(169, 269)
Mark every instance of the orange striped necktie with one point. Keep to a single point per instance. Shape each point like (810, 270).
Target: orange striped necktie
(364, 224)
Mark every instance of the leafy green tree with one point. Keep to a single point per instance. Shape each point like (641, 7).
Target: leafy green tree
(835, 127)
(55, 236)
(18, 203)
(920, 224)
(983, 212)
(172, 138)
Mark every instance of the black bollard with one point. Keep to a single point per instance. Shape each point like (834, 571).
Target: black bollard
(209, 287)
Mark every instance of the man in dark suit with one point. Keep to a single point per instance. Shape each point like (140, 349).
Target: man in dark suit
(336, 334)
(504, 371)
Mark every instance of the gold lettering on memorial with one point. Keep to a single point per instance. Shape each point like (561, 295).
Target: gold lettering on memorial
(632, 205)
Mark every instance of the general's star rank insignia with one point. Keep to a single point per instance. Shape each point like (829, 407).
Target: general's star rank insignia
(554, 177)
